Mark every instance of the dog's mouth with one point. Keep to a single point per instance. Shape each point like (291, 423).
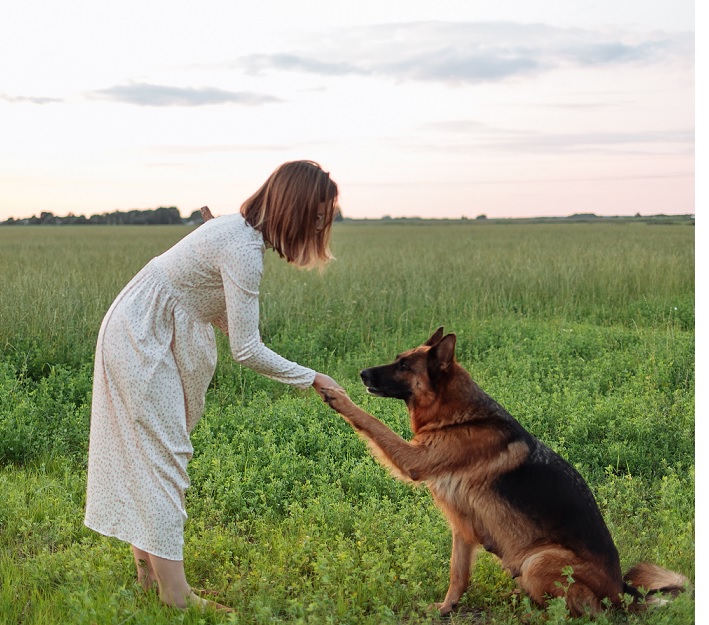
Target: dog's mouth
(389, 393)
(381, 387)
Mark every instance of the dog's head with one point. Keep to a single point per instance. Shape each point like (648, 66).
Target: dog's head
(417, 375)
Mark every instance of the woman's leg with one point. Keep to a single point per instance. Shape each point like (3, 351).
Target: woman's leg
(172, 583)
(146, 575)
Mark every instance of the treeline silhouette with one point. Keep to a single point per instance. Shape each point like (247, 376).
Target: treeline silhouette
(171, 215)
(165, 215)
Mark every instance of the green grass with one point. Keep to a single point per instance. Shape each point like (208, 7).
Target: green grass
(584, 332)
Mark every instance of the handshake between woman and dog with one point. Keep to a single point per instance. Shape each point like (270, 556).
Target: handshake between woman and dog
(498, 486)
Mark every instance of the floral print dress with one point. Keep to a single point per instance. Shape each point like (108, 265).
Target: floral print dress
(155, 357)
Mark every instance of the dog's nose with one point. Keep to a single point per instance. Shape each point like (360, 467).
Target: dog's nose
(365, 375)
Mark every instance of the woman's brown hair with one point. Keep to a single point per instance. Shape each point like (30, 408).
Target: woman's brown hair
(288, 210)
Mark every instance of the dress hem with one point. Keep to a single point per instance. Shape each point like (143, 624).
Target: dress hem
(111, 534)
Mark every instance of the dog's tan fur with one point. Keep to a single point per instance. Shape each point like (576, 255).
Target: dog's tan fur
(477, 462)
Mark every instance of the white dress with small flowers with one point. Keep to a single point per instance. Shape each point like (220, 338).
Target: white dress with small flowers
(155, 358)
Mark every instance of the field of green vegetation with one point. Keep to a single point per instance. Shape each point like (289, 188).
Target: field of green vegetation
(584, 332)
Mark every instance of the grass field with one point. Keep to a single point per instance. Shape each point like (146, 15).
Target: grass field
(584, 332)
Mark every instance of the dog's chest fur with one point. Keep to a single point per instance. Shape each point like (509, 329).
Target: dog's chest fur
(467, 496)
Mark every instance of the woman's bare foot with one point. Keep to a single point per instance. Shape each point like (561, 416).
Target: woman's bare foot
(169, 576)
(207, 603)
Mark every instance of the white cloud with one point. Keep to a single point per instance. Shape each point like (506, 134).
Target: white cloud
(21, 99)
(144, 94)
(471, 52)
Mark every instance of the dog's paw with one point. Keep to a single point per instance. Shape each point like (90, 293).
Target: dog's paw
(337, 399)
(443, 609)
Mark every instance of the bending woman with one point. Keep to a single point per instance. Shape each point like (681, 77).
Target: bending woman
(156, 355)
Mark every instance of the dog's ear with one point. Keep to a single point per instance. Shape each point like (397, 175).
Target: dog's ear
(435, 337)
(441, 357)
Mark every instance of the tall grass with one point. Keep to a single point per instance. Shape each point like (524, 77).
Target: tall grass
(585, 332)
(57, 283)
(388, 281)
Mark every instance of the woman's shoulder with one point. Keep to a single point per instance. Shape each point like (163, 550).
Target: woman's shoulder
(232, 221)
(233, 227)
(229, 239)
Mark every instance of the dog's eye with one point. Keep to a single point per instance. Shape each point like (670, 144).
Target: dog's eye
(402, 366)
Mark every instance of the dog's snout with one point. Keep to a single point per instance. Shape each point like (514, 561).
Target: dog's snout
(366, 375)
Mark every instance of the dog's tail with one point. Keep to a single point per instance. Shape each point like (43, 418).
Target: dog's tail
(649, 580)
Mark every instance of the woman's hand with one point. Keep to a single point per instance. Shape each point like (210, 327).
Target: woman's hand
(206, 213)
(322, 381)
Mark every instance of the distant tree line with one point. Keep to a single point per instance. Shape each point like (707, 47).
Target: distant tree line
(149, 217)
(171, 215)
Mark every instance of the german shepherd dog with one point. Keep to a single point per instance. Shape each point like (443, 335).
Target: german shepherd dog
(498, 486)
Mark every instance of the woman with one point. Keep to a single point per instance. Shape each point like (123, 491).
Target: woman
(156, 356)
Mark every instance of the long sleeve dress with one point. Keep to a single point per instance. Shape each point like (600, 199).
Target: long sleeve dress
(155, 357)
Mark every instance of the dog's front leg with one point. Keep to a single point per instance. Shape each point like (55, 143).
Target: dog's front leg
(407, 461)
(461, 563)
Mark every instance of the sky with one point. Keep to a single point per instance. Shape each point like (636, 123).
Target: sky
(421, 109)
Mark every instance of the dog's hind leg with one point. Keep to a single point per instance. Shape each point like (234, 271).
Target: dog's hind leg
(461, 563)
(542, 577)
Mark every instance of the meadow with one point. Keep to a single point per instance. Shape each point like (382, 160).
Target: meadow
(584, 332)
